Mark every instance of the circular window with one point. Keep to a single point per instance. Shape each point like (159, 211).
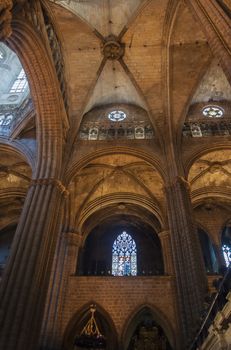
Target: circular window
(116, 116)
(213, 111)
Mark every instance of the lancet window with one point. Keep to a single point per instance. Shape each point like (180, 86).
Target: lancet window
(124, 256)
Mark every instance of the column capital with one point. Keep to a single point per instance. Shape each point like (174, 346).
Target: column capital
(164, 234)
(51, 181)
(72, 238)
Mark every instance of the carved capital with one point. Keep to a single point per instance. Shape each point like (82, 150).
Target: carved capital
(5, 19)
(73, 238)
(51, 181)
(163, 234)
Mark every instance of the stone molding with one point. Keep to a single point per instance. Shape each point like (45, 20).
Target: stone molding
(5, 19)
(72, 238)
(51, 181)
(164, 234)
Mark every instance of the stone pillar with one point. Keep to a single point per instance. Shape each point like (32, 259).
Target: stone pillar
(216, 24)
(64, 265)
(187, 258)
(25, 282)
(167, 251)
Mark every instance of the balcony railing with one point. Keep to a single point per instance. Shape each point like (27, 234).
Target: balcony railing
(202, 128)
(219, 301)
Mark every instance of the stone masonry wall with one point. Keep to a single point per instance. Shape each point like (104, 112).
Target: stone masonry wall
(121, 297)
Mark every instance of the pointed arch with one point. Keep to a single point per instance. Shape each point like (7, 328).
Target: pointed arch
(135, 317)
(46, 97)
(79, 319)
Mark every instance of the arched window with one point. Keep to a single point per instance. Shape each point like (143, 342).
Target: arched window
(226, 243)
(227, 254)
(124, 260)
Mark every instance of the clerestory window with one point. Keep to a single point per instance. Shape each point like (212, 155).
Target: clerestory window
(20, 84)
(124, 256)
(227, 254)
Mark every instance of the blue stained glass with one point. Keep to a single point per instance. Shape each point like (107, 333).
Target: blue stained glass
(124, 259)
(227, 254)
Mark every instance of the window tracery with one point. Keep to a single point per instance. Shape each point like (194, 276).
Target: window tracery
(20, 84)
(117, 116)
(130, 123)
(124, 256)
(5, 119)
(213, 111)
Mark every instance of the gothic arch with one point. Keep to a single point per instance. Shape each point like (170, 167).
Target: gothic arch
(78, 321)
(223, 227)
(135, 200)
(208, 249)
(154, 161)
(18, 148)
(203, 150)
(45, 94)
(132, 322)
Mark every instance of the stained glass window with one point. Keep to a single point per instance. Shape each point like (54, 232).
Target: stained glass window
(5, 119)
(227, 254)
(116, 116)
(124, 259)
(2, 53)
(20, 83)
(213, 111)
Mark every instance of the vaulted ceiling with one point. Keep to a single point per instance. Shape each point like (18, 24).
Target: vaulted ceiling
(166, 58)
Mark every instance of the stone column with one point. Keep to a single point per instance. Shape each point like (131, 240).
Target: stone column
(64, 265)
(216, 24)
(25, 282)
(187, 258)
(167, 251)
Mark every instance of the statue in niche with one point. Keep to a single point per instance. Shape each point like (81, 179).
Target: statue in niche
(149, 339)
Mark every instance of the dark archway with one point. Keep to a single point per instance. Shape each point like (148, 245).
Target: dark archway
(208, 252)
(104, 323)
(95, 257)
(147, 328)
